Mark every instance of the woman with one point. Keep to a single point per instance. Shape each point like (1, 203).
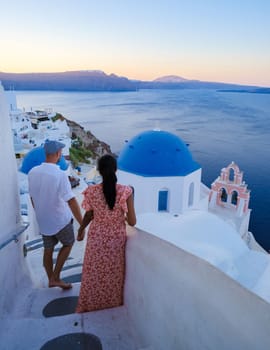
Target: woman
(108, 205)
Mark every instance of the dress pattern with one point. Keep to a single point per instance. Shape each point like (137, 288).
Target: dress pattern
(103, 273)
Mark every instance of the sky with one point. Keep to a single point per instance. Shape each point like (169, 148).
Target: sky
(209, 40)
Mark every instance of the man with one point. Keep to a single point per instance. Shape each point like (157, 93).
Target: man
(54, 203)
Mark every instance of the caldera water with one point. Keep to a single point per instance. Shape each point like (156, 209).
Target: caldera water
(219, 127)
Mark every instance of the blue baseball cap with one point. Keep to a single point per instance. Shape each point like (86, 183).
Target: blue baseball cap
(53, 146)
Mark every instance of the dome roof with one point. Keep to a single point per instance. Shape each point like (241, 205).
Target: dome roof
(35, 157)
(156, 153)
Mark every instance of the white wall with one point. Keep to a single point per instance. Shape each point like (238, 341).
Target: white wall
(178, 301)
(194, 178)
(9, 193)
(147, 189)
(12, 271)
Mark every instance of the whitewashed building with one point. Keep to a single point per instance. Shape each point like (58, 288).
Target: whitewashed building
(162, 172)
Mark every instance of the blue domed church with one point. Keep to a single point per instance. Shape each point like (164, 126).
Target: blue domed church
(161, 170)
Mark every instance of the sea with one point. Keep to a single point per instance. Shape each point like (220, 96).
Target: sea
(219, 127)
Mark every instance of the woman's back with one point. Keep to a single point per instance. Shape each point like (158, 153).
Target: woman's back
(104, 261)
(102, 215)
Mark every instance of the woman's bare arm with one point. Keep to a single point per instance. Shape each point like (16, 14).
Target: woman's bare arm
(88, 216)
(131, 216)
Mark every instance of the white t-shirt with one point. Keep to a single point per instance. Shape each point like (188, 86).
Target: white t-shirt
(50, 190)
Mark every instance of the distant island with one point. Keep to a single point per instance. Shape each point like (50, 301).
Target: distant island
(96, 80)
(250, 91)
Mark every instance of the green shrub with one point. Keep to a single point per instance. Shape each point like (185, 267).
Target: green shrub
(79, 155)
(57, 116)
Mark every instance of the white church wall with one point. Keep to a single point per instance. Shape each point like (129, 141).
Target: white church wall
(204, 197)
(143, 196)
(146, 191)
(189, 302)
(195, 179)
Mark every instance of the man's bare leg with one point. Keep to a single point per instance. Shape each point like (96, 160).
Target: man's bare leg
(48, 262)
(55, 280)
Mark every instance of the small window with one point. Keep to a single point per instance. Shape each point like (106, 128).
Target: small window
(191, 194)
(234, 197)
(223, 195)
(163, 200)
(231, 175)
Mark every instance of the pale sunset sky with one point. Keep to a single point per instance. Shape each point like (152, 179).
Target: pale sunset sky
(209, 40)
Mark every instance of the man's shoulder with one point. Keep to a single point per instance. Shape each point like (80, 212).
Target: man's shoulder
(47, 168)
(35, 169)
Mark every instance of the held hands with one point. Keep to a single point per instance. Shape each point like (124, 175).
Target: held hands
(88, 216)
(81, 232)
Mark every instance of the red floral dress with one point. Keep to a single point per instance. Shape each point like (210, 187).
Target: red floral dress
(103, 273)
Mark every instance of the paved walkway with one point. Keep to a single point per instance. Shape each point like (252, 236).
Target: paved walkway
(32, 324)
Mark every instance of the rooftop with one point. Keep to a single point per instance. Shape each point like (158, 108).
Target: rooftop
(157, 153)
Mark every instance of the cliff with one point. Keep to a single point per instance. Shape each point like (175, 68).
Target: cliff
(88, 140)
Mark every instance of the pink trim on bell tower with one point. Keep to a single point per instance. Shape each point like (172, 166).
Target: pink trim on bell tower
(230, 191)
